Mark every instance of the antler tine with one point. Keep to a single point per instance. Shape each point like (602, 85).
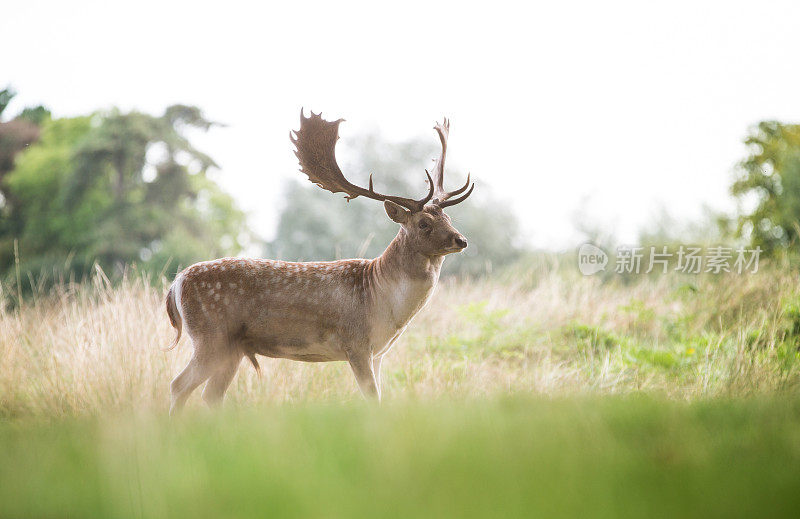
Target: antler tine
(315, 144)
(441, 196)
(430, 190)
(458, 200)
(461, 189)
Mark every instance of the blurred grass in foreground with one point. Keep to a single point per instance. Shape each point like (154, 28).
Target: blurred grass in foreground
(576, 457)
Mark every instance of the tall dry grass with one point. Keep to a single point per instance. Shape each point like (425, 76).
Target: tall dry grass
(92, 348)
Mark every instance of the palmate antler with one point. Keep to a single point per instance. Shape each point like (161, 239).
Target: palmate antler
(316, 149)
(440, 196)
(315, 144)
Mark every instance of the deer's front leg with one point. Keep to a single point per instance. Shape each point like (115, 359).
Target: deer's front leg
(361, 363)
(376, 370)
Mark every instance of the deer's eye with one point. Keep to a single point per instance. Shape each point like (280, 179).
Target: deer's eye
(423, 224)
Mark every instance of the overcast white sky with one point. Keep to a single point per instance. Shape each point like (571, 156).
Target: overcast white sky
(608, 108)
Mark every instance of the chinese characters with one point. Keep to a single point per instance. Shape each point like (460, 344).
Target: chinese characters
(686, 260)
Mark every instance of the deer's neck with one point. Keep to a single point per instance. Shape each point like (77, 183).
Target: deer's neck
(402, 280)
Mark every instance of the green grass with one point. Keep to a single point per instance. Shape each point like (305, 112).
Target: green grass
(563, 396)
(567, 457)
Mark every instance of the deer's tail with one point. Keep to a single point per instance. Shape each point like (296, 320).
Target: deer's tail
(173, 300)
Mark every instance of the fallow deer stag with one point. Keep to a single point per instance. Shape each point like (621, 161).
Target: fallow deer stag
(349, 310)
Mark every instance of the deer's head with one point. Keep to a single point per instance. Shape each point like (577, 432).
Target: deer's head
(428, 229)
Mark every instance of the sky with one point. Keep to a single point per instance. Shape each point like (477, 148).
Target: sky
(600, 113)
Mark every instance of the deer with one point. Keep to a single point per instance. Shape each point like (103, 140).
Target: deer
(351, 310)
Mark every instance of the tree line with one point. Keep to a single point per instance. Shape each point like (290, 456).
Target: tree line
(116, 188)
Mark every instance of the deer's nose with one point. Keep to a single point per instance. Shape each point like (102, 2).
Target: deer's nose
(461, 242)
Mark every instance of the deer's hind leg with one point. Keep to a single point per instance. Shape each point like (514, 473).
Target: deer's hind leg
(224, 370)
(187, 381)
(203, 365)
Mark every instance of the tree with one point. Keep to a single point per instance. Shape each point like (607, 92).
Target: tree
(33, 215)
(118, 188)
(15, 136)
(316, 225)
(771, 175)
(18, 133)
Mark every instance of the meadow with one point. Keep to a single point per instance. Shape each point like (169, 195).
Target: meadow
(536, 391)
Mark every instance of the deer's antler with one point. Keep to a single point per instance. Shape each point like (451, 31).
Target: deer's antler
(316, 143)
(440, 196)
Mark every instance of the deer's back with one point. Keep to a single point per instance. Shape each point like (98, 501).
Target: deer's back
(303, 311)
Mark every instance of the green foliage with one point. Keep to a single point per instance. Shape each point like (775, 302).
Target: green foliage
(15, 136)
(44, 229)
(6, 95)
(790, 325)
(35, 114)
(591, 338)
(116, 188)
(771, 175)
(485, 333)
(316, 225)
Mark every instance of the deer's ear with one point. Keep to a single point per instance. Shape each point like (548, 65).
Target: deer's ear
(396, 212)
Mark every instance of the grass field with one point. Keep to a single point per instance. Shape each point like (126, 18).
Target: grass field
(538, 392)
(523, 457)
